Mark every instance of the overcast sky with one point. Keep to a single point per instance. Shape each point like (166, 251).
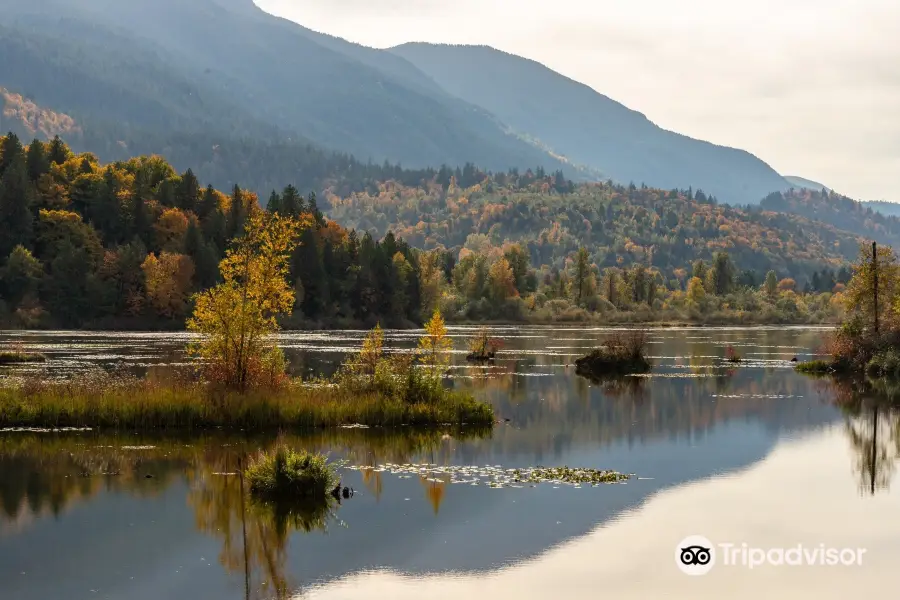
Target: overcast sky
(810, 86)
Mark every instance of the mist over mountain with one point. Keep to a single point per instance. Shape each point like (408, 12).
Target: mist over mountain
(590, 128)
(127, 70)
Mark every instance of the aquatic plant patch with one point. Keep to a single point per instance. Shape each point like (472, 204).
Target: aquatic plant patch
(498, 477)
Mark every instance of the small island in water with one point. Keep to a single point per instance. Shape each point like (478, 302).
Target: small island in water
(623, 353)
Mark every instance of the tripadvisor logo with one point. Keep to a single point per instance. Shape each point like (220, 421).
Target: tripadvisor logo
(696, 555)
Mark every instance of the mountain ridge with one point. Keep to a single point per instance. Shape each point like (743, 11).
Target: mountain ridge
(588, 127)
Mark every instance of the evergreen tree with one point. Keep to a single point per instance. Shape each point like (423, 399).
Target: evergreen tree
(67, 288)
(57, 151)
(291, 201)
(36, 160)
(188, 191)
(582, 272)
(721, 273)
(20, 277)
(10, 150)
(209, 203)
(16, 219)
(140, 220)
(236, 213)
(206, 263)
(274, 204)
(771, 284)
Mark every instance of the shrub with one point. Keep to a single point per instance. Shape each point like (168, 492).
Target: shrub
(286, 473)
(622, 353)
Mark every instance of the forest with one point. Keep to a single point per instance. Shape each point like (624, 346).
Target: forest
(128, 244)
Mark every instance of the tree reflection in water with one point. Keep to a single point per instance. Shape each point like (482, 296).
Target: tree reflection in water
(47, 473)
(872, 424)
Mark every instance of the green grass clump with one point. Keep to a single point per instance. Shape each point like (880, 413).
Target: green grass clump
(288, 474)
(10, 357)
(815, 367)
(141, 404)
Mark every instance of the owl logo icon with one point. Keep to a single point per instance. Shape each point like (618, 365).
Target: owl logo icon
(695, 555)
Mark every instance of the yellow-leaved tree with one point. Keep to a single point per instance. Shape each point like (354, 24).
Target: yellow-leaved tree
(238, 317)
(435, 345)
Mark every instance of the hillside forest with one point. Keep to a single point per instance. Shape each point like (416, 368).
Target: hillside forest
(127, 244)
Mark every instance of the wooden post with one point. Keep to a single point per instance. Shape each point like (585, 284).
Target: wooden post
(875, 281)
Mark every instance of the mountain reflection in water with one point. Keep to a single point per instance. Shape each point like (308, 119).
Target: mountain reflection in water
(750, 452)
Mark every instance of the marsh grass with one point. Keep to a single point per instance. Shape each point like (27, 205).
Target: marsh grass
(9, 357)
(104, 401)
(623, 353)
(815, 367)
(288, 474)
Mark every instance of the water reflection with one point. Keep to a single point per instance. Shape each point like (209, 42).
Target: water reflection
(695, 422)
(872, 425)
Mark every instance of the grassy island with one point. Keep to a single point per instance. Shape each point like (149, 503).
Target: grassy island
(624, 353)
(290, 475)
(242, 381)
(11, 357)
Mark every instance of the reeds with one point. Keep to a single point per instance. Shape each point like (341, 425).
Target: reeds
(103, 401)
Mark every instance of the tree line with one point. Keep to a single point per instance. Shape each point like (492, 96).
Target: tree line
(129, 244)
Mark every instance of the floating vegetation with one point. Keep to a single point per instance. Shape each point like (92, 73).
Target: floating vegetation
(498, 477)
(42, 429)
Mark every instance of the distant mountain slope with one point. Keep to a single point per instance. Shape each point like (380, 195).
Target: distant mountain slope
(590, 128)
(891, 209)
(227, 66)
(838, 211)
(809, 184)
(620, 225)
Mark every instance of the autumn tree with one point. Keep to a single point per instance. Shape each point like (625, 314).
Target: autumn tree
(502, 281)
(696, 294)
(435, 345)
(170, 230)
(238, 317)
(168, 282)
(859, 297)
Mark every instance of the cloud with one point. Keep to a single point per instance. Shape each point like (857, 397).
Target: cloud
(811, 87)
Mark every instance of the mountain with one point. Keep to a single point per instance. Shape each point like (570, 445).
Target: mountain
(838, 211)
(809, 184)
(157, 68)
(891, 209)
(590, 128)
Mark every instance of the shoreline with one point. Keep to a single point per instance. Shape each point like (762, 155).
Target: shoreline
(663, 324)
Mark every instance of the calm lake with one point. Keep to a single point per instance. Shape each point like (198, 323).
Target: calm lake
(749, 453)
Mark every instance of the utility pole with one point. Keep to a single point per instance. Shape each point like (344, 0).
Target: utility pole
(875, 280)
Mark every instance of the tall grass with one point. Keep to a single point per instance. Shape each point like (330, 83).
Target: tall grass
(8, 357)
(289, 474)
(142, 404)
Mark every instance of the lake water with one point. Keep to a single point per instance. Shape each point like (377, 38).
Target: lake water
(751, 454)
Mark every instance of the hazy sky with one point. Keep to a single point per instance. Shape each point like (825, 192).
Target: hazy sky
(810, 86)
